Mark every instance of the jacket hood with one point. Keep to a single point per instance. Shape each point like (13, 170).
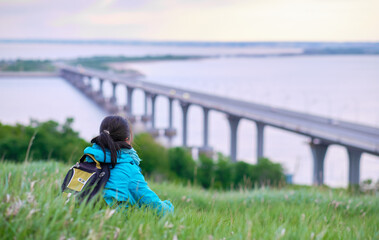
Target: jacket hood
(125, 155)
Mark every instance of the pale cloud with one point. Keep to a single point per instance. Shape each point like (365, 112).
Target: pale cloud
(210, 20)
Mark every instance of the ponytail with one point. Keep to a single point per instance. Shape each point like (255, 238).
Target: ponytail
(114, 130)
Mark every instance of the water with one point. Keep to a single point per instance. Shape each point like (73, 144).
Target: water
(22, 99)
(343, 87)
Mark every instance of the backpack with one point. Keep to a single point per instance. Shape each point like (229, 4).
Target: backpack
(85, 179)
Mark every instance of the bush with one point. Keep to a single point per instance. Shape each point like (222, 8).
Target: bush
(266, 172)
(205, 171)
(178, 164)
(51, 141)
(61, 142)
(223, 172)
(181, 163)
(153, 155)
(242, 174)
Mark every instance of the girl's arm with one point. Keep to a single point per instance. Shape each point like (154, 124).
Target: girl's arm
(145, 196)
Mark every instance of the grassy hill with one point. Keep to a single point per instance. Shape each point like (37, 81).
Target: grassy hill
(31, 208)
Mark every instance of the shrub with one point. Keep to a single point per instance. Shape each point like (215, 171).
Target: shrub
(267, 173)
(205, 171)
(61, 142)
(242, 173)
(52, 141)
(223, 172)
(153, 155)
(181, 163)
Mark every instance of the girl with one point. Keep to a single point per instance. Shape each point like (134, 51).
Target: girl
(126, 185)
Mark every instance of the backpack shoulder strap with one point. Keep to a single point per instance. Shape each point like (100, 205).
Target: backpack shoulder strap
(83, 158)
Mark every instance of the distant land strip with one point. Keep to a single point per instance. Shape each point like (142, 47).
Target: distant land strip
(7, 74)
(304, 45)
(303, 48)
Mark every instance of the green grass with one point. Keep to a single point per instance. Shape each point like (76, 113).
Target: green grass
(32, 208)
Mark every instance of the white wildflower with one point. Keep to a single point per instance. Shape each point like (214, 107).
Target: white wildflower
(13, 209)
(109, 213)
(116, 233)
(31, 213)
(168, 225)
(32, 186)
(30, 198)
(283, 232)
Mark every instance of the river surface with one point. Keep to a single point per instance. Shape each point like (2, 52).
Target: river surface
(342, 87)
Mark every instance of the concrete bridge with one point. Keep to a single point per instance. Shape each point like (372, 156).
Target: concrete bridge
(322, 131)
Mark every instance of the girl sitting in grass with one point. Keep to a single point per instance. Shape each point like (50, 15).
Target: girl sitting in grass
(126, 185)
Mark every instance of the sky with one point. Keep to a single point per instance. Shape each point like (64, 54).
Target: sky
(191, 20)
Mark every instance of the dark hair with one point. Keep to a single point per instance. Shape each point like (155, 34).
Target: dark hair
(114, 130)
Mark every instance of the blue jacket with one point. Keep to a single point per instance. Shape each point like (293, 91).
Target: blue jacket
(126, 183)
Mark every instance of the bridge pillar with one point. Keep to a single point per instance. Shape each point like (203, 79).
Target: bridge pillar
(89, 82)
(170, 131)
(354, 165)
(113, 98)
(318, 149)
(74, 79)
(101, 86)
(205, 126)
(77, 80)
(153, 98)
(129, 100)
(80, 82)
(205, 149)
(185, 107)
(260, 140)
(170, 115)
(145, 117)
(233, 122)
(146, 100)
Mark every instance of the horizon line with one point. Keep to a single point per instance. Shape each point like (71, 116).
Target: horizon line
(120, 41)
